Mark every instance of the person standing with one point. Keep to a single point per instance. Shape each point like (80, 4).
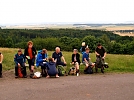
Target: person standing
(1, 60)
(83, 47)
(30, 53)
(100, 55)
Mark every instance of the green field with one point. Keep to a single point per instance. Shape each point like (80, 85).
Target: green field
(117, 63)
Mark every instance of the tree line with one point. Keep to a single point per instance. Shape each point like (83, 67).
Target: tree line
(67, 39)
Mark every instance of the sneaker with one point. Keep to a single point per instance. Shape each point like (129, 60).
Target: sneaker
(77, 74)
(0, 76)
(102, 71)
(57, 76)
(16, 76)
(24, 76)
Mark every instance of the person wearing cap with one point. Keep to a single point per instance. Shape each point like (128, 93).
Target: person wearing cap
(76, 60)
(86, 59)
(1, 60)
(41, 61)
(100, 53)
(20, 61)
(30, 53)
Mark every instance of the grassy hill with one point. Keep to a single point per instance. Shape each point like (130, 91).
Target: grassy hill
(117, 63)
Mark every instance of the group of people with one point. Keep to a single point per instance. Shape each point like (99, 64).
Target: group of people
(48, 65)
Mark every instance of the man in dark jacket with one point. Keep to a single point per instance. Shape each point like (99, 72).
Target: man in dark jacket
(100, 55)
(51, 68)
(76, 60)
(20, 61)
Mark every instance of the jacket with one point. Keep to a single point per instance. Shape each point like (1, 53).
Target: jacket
(51, 68)
(40, 58)
(33, 52)
(77, 58)
(19, 59)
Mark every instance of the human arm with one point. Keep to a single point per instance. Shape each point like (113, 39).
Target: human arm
(63, 59)
(1, 58)
(72, 59)
(104, 52)
(46, 56)
(104, 55)
(34, 50)
(39, 58)
(25, 52)
(78, 58)
(53, 57)
(97, 53)
(85, 60)
(15, 60)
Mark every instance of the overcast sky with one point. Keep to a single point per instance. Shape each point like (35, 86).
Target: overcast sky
(86, 11)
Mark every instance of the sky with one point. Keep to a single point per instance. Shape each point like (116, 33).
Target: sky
(66, 11)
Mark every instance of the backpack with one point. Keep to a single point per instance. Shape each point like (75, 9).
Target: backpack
(89, 70)
(20, 72)
(61, 70)
(36, 75)
(72, 71)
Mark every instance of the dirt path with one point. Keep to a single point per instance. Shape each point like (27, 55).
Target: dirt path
(84, 87)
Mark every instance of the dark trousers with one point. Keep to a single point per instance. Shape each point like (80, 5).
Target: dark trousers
(31, 63)
(43, 69)
(0, 69)
(23, 69)
(60, 63)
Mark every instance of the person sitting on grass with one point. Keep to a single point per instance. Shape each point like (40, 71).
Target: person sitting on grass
(87, 60)
(20, 61)
(51, 68)
(76, 60)
(1, 60)
(57, 56)
(41, 61)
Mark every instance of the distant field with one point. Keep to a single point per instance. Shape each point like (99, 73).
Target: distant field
(111, 27)
(117, 63)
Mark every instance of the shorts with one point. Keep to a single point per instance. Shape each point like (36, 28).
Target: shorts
(89, 63)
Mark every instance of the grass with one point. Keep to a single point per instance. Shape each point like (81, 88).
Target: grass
(117, 63)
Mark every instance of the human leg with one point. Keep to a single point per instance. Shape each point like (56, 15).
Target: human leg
(32, 64)
(29, 62)
(24, 70)
(86, 64)
(0, 70)
(43, 69)
(16, 71)
(77, 67)
(91, 64)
